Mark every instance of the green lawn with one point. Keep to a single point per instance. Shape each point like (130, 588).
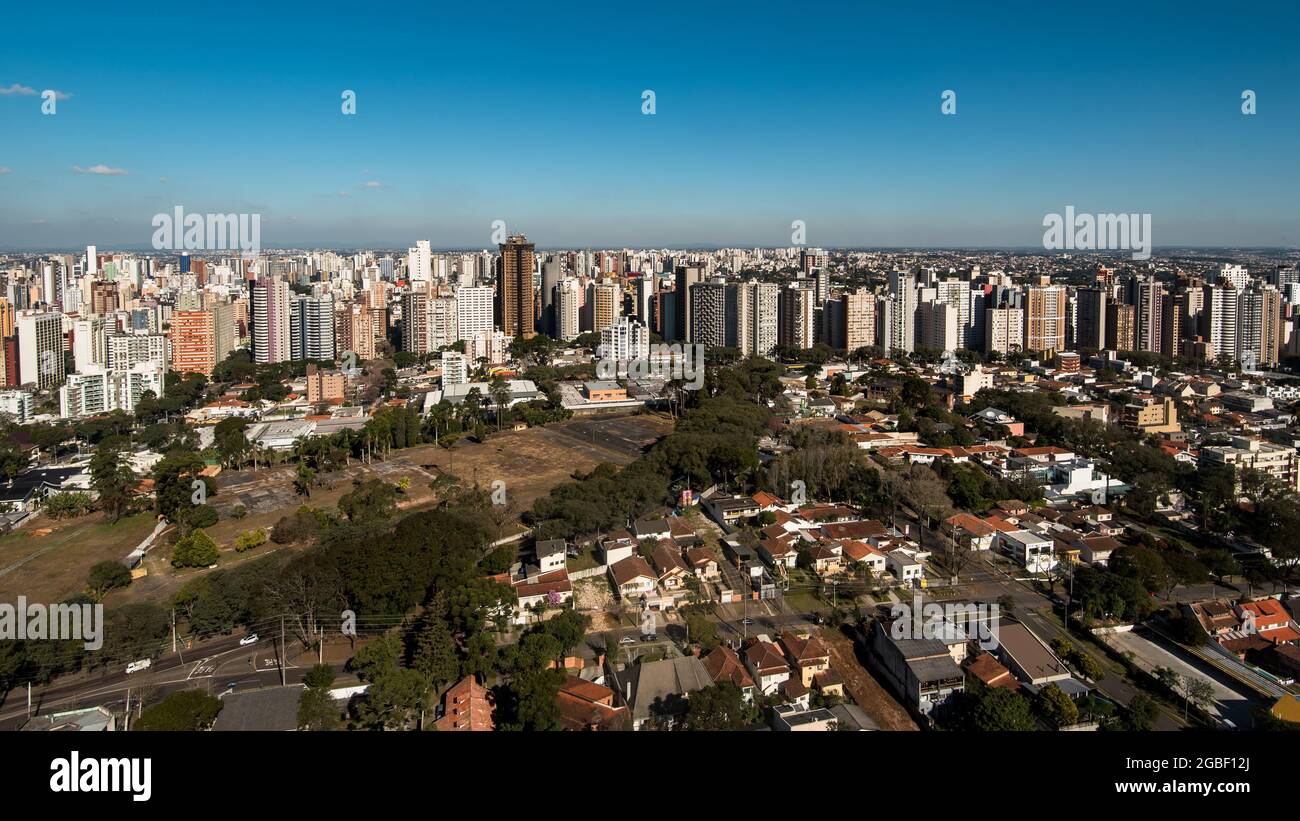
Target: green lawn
(48, 560)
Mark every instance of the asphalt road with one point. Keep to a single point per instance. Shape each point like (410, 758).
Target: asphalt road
(214, 666)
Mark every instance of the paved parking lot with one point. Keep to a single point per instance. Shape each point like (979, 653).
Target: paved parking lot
(1231, 703)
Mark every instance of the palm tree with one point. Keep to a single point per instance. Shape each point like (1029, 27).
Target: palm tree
(500, 393)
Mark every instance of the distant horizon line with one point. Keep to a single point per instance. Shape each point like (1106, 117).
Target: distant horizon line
(1026, 249)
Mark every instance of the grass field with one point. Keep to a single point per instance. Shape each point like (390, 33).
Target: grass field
(47, 561)
(49, 566)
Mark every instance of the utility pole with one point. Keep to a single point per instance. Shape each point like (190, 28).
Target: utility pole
(173, 629)
(282, 652)
(126, 716)
(321, 644)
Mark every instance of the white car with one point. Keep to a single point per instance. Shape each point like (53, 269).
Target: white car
(627, 640)
(247, 640)
(137, 666)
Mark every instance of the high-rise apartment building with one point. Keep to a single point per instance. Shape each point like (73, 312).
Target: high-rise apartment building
(797, 327)
(1045, 318)
(271, 314)
(40, 349)
(193, 342)
(685, 276)
(1090, 318)
(415, 322)
(473, 311)
(765, 316)
(1004, 330)
(515, 303)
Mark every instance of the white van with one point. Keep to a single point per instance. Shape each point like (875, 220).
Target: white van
(137, 666)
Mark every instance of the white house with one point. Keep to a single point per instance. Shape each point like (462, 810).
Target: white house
(1030, 549)
(905, 565)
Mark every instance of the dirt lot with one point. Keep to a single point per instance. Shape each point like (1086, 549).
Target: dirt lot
(530, 462)
(859, 684)
(47, 560)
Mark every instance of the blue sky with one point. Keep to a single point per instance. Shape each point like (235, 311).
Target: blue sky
(766, 113)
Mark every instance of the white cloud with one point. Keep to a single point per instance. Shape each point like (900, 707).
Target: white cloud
(372, 184)
(4, 169)
(100, 169)
(16, 89)
(58, 95)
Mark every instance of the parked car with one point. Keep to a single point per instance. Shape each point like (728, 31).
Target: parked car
(627, 640)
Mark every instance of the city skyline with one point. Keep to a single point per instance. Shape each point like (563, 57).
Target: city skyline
(754, 126)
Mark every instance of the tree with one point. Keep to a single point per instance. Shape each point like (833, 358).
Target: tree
(1201, 693)
(195, 550)
(375, 658)
(1056, 706)
(105, 576)
(112, 479)
(316, 709)
(718, 707)
(499, 391)
(701, 629)
(175, 479)
(197, 516)
(998, 709)
(230, 440)
(304, 479)
(435, 653)
(394, 699)
(250, 539)
(187, 710)
(1141, 713)
(1143, 564)
(373, 500)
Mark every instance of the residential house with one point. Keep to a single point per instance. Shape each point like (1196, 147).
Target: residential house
(990, 671)
(656, 692)
(551, 555)
(617, 546)
(633, 577)
(780, 552)
(825, 558)
(723, 664)
(1096, 550)
(652, 529)
(766, 665)
(1030, 549)
(667, 560)
(865, 555)
(972, 532)
(703, 563)
(588, 706)
(905, 566)
(807, 655)
(796, 718)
